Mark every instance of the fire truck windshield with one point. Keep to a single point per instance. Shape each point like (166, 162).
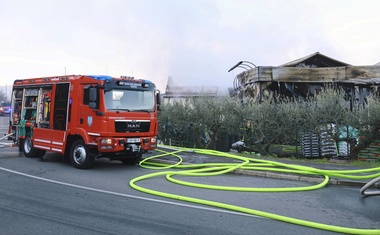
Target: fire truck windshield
(130, 100)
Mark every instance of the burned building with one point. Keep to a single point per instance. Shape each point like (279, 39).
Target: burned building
(305, 76)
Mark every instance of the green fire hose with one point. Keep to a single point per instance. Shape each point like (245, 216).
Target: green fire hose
(214, 169)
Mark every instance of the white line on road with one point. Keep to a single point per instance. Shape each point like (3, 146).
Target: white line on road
(126, 195)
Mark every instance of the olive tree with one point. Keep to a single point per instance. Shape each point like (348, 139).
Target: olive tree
(199, 121)
(202, 121)
(368, 122)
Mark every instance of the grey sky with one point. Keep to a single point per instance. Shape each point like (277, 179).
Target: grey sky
(193, 41)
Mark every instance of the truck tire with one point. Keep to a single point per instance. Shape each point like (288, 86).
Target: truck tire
(79, 155)
(21, 145)
(28, 150)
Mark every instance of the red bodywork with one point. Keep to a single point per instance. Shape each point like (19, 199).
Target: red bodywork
(56, 111)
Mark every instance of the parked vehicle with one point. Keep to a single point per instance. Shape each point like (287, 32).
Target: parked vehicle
(85, 117)
(5, 108)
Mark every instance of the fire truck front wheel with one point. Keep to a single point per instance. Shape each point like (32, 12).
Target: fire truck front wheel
(79, 155)
(29, 151)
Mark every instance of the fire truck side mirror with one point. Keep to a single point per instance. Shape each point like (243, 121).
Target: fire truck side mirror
(158, 98)
(92, 98)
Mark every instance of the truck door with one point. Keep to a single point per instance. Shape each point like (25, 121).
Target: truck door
(50, 134)
(61, 116)
(61, 107)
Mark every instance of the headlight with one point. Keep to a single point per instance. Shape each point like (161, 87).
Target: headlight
(106, 141)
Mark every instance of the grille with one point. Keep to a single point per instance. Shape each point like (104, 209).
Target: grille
(132, 126)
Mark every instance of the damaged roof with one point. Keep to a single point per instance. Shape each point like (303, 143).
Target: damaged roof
(315, 60)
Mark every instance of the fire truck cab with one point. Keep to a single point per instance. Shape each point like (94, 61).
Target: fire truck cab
(85, 117)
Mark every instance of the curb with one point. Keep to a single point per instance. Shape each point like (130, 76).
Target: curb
(332, 181)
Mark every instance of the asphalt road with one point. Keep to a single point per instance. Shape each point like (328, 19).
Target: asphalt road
(50, 197)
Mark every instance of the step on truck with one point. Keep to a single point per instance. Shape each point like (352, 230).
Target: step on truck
(85, 118)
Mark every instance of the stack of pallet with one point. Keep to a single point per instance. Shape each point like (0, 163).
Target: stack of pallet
(328, 145)
(371, 153)
(310, 145)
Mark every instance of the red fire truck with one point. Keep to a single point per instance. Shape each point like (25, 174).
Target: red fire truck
(85, 117)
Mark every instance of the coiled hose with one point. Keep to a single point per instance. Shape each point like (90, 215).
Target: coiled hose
(213, 169)
(368, 185)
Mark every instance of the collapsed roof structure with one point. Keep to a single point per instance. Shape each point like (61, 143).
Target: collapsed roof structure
(305, 76)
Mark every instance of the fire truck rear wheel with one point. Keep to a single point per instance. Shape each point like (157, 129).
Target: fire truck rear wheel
(79, 155)
(28, 150)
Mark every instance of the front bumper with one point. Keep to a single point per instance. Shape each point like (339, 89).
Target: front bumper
(128, 145)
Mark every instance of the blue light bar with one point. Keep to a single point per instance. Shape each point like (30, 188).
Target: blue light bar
(100, 77)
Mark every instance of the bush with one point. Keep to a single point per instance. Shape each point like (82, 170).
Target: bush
(201, 121)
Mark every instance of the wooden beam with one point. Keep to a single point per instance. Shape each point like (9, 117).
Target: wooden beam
(312, 75)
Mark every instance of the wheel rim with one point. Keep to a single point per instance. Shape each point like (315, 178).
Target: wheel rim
(79, 155)
(27, 145)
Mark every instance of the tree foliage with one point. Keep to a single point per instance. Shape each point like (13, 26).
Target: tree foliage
(202, 121)
(3, 97)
